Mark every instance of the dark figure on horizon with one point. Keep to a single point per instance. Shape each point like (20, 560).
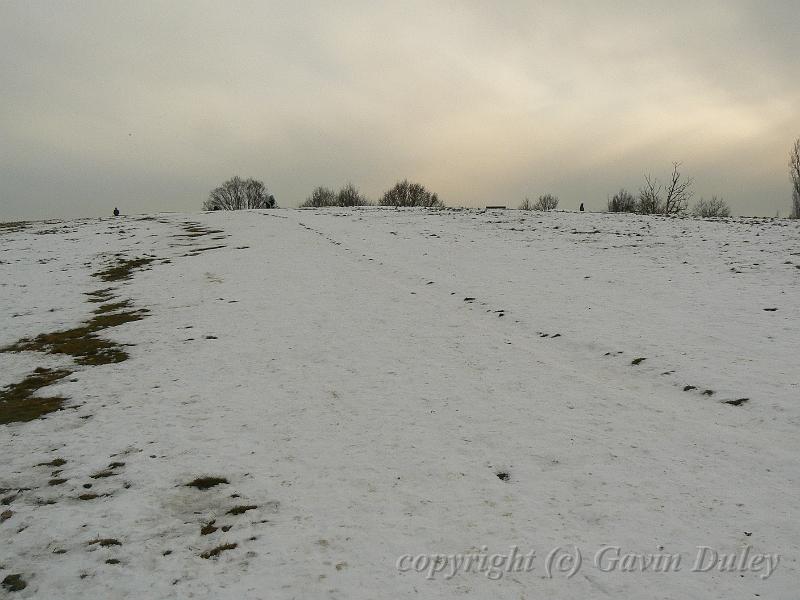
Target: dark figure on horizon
(116, 211)
(581, 207)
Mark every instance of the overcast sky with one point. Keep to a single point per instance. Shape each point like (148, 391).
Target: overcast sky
(148, 105)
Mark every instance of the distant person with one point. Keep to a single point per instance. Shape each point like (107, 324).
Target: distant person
(581, 207)
(116, 211)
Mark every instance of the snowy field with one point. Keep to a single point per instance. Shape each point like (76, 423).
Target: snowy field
(373, 385)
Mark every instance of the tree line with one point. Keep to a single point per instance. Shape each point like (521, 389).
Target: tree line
(241, 194)
(403, 193)
(670, 197)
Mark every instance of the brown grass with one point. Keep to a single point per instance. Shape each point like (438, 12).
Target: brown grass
(81, 342)
(123, 269)
(18, 404)
(103, 295)
(114, 306)
(208, 528)
(239, 510)
(204, 483)
(214, 552)
(89, 496)
(104, 542)
(14, 583)
(13, 226)
(56, 462)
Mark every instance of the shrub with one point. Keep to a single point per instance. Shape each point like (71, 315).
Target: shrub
(546, 202)
(406, 193)
(526, 205)
(320, 197)
(716, 207)
(323, 197)
(239, 194)
(622, 201)
(350, 196)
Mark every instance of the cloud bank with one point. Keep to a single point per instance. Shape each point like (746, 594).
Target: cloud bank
(149, 105)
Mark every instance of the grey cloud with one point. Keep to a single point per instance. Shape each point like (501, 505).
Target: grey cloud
(149, 105)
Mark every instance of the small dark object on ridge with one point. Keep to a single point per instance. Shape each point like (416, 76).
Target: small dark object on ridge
(116, 211)
(581, 209)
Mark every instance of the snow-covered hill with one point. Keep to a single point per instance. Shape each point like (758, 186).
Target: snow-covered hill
(372, 385)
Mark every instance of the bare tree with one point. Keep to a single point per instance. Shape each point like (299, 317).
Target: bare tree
(546, 202)
(406, 193)
(650, 196)
(239, 194)
(676, 194)
(794, 173)
(716, 207)
(622, 201)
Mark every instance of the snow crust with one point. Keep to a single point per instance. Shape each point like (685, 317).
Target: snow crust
(329, 365)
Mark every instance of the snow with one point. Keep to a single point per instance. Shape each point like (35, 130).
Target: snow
(326, 363)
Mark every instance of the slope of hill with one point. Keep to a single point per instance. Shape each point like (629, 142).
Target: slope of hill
(297, 403)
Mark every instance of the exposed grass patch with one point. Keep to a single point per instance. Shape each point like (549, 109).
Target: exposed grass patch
(241, 509)
(14, 583)
(82, 343)
(56, 481)
(104, 542)
(123, 269)
(204, 483)
(13, 226)
(214, 552)
(737, 402)
(90, 496)
(208, 248)
(18, 404)
(208, 528)
(638, 361)
(103, 295)
(112, 307)
(56, 462)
